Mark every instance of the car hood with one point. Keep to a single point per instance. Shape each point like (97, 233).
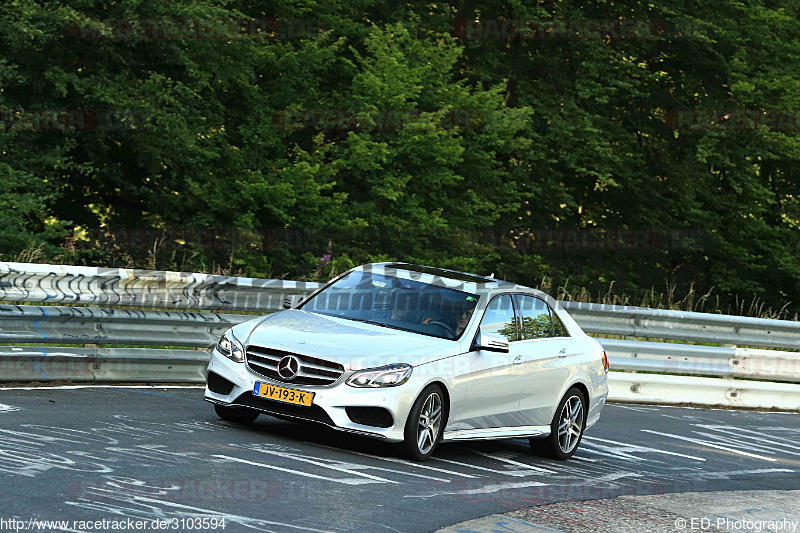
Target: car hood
(356, 345)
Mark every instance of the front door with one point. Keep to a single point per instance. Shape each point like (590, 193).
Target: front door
(490, 399)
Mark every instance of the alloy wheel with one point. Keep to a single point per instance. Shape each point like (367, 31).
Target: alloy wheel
(430, 421)
(570, 424)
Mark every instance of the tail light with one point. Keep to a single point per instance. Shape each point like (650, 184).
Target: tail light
(605, 362)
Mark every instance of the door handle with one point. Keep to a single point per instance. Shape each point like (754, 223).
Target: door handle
(563, 352)
(517, 360)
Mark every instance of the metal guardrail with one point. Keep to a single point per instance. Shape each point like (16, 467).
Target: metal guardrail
(48, 364)
(719, 361)
(692, 390)
(57, 284)
(35, 283)
(643, 365)
(684, 325)
(87, 325)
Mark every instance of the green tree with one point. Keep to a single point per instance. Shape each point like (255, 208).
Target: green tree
(448, 146)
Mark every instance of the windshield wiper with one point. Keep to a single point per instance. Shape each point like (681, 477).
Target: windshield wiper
(376, 323)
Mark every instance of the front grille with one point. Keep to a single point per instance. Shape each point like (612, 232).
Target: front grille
(370, 416)
(314, 413)
(313, 371)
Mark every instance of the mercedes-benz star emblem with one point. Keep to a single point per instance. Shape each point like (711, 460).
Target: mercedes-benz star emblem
(288, 367)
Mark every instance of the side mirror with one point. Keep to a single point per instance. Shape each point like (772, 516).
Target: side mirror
(290, 302)
(491, 343)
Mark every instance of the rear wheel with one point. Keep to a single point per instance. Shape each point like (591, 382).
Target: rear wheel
(238, 415)
(425, 423)
(566, 429)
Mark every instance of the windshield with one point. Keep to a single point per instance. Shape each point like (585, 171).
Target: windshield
(396, 303)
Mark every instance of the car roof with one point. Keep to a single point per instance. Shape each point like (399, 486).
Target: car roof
(471, 282)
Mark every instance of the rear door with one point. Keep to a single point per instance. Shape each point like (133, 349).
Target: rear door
(541, 358)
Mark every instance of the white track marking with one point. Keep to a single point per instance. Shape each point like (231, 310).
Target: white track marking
(7, 408)
(346, 481)
(486, 489)
(401, 461)
(355, 466)
(710, 445)
(339, 466)
(615, 476)
(756, 436)
(142, 455)
(515, 463)
(149, 504)
(400, 472)
(735, 442)
(637, 407)
(513, 473)
(727, 474)
(681, 418)
(638, 448)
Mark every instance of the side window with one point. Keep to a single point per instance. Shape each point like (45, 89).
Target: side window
(559, 329)
(535, 317)
(499, 319)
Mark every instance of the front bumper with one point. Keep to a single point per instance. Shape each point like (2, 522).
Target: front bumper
(330, 402)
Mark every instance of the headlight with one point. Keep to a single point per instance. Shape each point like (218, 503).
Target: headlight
(230, 347)
(385, 376)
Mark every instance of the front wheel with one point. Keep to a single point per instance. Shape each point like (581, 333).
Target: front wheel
(238, 415)
(566, 429)
(424, 425)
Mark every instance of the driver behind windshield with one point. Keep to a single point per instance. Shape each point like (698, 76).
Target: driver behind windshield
(455, 318)
(463, 320)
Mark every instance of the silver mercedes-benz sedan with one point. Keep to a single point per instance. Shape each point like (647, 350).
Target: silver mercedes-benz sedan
(417, 355)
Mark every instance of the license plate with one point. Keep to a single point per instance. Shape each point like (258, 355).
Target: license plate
(283, 395)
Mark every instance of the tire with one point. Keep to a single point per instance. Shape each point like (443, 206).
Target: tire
(562, 443)
(237, 415)
(425, 424)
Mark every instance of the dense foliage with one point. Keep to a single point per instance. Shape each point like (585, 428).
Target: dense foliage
(645, 144)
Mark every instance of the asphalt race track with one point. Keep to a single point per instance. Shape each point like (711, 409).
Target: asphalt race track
(89, 454)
